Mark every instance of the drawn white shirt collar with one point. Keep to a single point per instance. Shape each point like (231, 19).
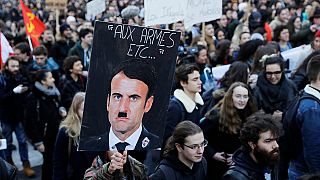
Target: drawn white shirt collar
(132, 140)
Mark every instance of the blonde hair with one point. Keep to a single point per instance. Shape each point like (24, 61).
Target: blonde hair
(72, 122)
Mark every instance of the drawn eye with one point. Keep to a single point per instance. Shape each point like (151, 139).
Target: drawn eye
(117, 97)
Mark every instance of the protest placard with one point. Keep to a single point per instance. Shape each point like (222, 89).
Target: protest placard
(190, 11)
(56, 4)
(94, 8)
(202, 11)
(129, 83)
(163, 12)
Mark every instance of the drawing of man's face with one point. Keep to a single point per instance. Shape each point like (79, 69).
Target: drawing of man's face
(127, 103)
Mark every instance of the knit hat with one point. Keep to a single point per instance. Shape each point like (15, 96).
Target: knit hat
(130, 12)
(64, 27)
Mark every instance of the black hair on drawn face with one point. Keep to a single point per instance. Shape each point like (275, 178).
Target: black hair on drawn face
(139, 69)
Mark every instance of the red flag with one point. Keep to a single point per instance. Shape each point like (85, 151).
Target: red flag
(34, 26)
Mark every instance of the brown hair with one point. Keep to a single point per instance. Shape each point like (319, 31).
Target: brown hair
(230, 120)
(180, 133)
(313, 68)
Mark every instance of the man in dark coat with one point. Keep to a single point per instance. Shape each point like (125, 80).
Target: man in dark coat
(259, 152)
(59, 50)
(13, 87)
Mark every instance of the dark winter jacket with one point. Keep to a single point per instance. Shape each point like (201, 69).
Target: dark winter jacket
(60, 49)
(69, 87)
(244, 168)
(70, 165)
(11, 104)
(42, 114)
(179, 171)
(218, 141)
(300, 79)
(181, 108)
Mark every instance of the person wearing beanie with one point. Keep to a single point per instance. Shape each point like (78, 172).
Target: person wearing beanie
(130, 15)
(61, 47)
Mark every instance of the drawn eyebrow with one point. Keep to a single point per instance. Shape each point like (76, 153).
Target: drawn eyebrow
(116, 94)
(135, 95)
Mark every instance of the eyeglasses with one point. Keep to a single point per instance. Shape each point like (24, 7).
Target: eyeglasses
(197, 146)
(273, 73)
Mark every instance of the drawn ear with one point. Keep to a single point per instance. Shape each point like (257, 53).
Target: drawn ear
(148, 104)
(108, 102)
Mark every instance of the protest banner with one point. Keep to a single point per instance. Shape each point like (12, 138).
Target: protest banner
(190, 11)
(94, 8)
(129, 83)
(56, 4)
(295, 56)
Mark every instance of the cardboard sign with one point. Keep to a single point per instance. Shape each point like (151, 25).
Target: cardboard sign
(94, 8)
(129, 83)
(190, 11)
(56, 4)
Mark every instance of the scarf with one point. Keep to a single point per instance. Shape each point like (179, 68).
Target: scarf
(52, 91)
(274, 96)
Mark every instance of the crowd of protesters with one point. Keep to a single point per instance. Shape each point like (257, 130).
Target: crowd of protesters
(216, 128)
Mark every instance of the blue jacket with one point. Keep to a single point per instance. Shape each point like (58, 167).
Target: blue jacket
(308, 114)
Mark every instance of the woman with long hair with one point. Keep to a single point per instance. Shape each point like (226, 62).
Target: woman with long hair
(238, 71)
(221, 127)
(222, 124)
(68, 163)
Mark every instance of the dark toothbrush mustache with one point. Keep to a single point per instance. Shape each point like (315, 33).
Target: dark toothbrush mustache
(122, 114)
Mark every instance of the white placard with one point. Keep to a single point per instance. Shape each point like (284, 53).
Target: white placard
(202, 11)
(94, 8)
(219, 71)
(163, 11)
(296, 55)
(190, 11)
